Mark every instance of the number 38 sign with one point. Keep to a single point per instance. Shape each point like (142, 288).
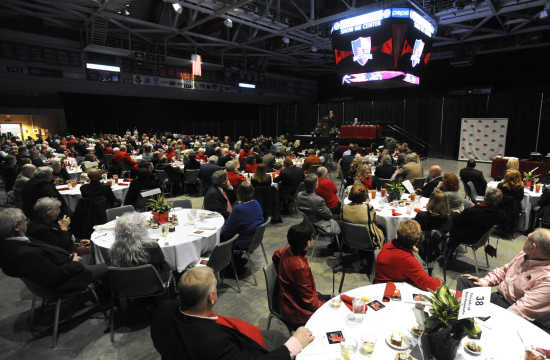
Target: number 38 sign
(475, 303)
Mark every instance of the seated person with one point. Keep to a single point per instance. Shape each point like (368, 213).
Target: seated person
(298, 295)
(133, 247)
(310, 160)
(512, 195)
(386, 169)
(145, 180)
(396, 261)
(61, 176)
(15, 195)
(251, 165)
(327, 190)
(449, 184)
(314, 207)
(523, 283)
(289, 179)
(216, 197)
(260, 177)
(188, 329)
(410, 170)
(99, 192)
(233, 175)
(48, 228)
(39, 186)
(244, 219)
(206, 171)
(431, 182)
(362, 176)
(360, 212)
(191, 162)
(437, 214)
(355, 122)
(470, 225)
(90, 162)
(49, 266)
(470, 173)
(9, 172)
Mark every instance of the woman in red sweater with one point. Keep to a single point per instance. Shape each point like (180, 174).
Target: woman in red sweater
(396, 262)
(298, 295)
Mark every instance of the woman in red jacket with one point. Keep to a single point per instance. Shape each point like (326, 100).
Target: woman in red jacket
(396, 262)
(298, 296)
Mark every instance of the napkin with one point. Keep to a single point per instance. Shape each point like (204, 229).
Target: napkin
(395, 213)
(388, 293)
(122, 184)
(62, 189)
(545, 352)
(347, 300)
(128, 179)
(417, 210)
(108, 226)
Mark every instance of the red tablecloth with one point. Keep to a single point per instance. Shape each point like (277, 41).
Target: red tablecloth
(498, 167)
(370, 132)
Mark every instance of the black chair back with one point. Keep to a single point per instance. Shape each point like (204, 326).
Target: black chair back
(264, 196)
(545, 217)
(272, 287)
(258, 236)
(118, 211)
(356, 236)
(191, 176)
(182, 203)
(135, 282)
(222, 255)
(418, 183)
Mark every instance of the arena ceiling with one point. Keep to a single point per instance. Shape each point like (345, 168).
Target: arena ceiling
(289, 36)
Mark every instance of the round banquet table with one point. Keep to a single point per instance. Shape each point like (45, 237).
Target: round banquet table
(73, 195)
(530, 199)
(499, 338)
(182, 247)
(385, 216)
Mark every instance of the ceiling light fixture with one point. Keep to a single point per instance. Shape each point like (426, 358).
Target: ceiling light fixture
(314, 49)
(177, 7)
(286, 40)
(228, 23)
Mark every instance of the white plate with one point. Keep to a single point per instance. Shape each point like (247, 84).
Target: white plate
(404, 344)
(470, 351)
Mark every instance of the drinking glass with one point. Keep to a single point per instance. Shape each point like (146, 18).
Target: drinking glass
(383, 192)
(538, 187)
(373, 194)
(348, 347)
(164, 230)
(104, 177)
(115, 178)
(73, 183)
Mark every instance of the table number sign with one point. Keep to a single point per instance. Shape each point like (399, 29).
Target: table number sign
(475, 302)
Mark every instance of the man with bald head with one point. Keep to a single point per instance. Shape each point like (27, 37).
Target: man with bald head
(523, 283)
(431, 182)
(188, 329)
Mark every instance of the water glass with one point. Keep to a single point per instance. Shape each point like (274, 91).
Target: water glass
(348, 347)
(164, 230)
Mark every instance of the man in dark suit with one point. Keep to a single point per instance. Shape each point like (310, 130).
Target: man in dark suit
(39, 186)
(224, 158)
(206, 171)
(469, 173)
(43, 264)
(385, 170)
(431, 182)
(289, 179)
(98, 192)
(468, 226)
(216, 197)
(192, 331)
(145, 180)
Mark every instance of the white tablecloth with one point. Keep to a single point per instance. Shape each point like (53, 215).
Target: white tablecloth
(384, 214)
(181, 248)
(530, 199)
(73, 195)
(499, 338)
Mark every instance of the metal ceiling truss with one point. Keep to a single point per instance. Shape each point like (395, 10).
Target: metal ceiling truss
(260, 25)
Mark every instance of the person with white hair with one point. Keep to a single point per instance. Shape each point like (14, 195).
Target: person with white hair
(524, 282)
(133, 247)
(39, 186)
(61, 176)
(327, 190)
(190, 330)
(15, 195)
(49, 266)
(431, 182)
(123, 159)
(47, 227)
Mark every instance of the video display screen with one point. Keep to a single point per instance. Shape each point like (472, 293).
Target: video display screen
(383, 48)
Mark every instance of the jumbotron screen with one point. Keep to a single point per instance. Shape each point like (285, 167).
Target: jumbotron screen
(383, 48)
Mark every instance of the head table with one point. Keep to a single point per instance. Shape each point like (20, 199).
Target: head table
(499, 338)
(197, 233)
(391, 216)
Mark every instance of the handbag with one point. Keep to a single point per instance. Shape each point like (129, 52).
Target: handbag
(373, 235)
(491, 250)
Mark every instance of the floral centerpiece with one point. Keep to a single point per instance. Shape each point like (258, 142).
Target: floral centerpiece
(530, 178)
(160, 208)
(395, 190)
(443, 330)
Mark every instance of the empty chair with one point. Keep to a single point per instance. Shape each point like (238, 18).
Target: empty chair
(472, 192)
(256, 242)
(118, 211)
(272, 288)
(48, 295)
(220, 258)
(130, 283)
(191, 179)
(182, 203)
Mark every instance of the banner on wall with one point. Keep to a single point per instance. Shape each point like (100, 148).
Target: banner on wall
(482, 139)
